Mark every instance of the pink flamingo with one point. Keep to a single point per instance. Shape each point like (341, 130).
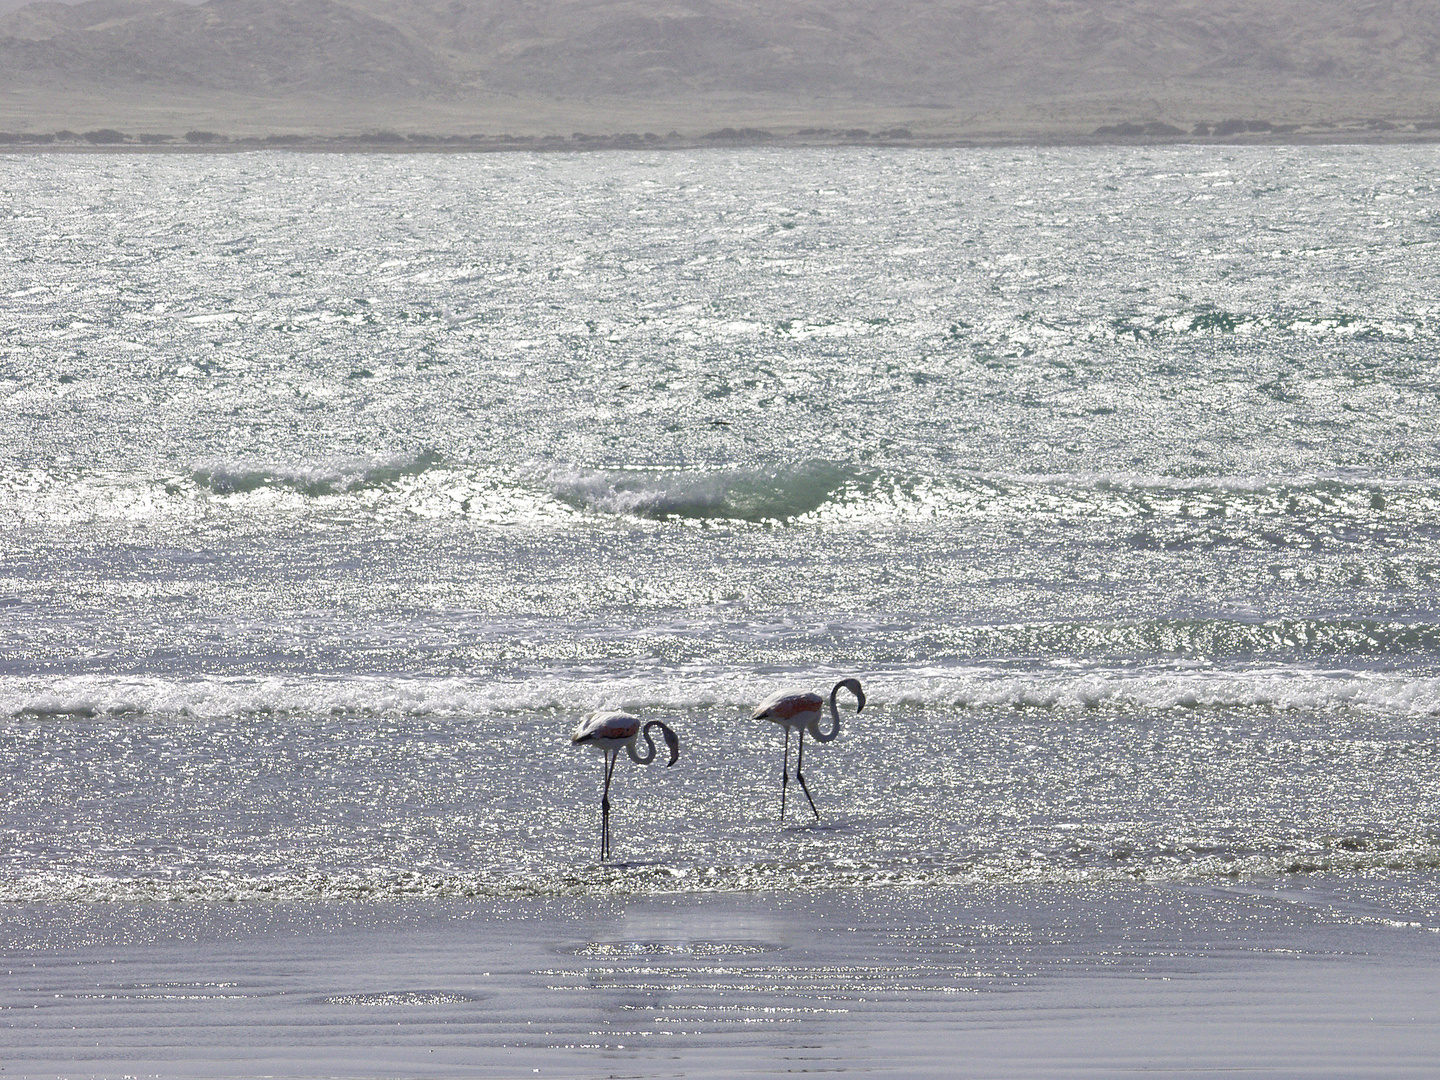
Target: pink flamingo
(607, 732)
(802, 712)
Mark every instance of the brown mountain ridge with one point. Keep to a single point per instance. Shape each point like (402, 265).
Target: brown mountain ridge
(966, 68)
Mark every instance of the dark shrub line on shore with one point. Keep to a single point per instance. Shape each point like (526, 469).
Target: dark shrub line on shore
(1230, 130)
(111, 137)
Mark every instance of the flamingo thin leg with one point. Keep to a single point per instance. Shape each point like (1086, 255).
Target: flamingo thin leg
(784, 775)
(610, 760)
(800, 760)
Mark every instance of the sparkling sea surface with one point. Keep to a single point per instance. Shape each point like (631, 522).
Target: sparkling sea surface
(334, 489)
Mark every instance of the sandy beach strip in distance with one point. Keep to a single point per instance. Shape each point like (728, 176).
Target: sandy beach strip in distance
(1310, 977)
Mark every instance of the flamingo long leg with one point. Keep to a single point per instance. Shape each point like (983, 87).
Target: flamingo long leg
(799, 761)
(785, 775)
(610, 760)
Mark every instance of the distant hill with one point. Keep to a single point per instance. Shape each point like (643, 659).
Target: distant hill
(252, 46)
(1021, 68)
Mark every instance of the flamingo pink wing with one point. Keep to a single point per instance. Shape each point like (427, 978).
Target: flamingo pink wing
(606, 725)
(787, 706)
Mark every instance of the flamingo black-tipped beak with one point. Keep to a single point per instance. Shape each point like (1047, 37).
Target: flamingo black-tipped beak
(853, 685)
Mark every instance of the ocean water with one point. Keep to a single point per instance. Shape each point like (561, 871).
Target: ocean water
(334, 489)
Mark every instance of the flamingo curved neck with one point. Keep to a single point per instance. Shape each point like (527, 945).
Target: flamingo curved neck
(672, 741)
(853, 685)
(635, 755)
(826, 736)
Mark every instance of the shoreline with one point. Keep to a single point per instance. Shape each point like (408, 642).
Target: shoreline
(112, 141)
(1323, 977)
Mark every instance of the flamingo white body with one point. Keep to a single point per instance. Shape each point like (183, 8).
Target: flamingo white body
(610, 732)
(801, 711)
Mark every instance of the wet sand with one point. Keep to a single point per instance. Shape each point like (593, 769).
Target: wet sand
(1309, 978)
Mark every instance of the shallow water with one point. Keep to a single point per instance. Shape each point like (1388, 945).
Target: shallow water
(976, 981)
(334, 489)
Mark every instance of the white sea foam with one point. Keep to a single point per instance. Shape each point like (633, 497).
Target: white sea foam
(934, 690)
(755, 494)
(425, 485)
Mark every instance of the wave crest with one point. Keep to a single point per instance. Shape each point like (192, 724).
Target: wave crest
(932, 689)
(340, 476)
(750, 494)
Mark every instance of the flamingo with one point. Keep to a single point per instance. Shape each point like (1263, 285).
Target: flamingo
(607, 732)
(802, 712)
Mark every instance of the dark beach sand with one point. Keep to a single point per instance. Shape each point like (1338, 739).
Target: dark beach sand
(1306, 978)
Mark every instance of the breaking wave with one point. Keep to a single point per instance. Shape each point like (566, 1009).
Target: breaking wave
(936, 690)
(753, 494)
(336, 477)
(1161, 513)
